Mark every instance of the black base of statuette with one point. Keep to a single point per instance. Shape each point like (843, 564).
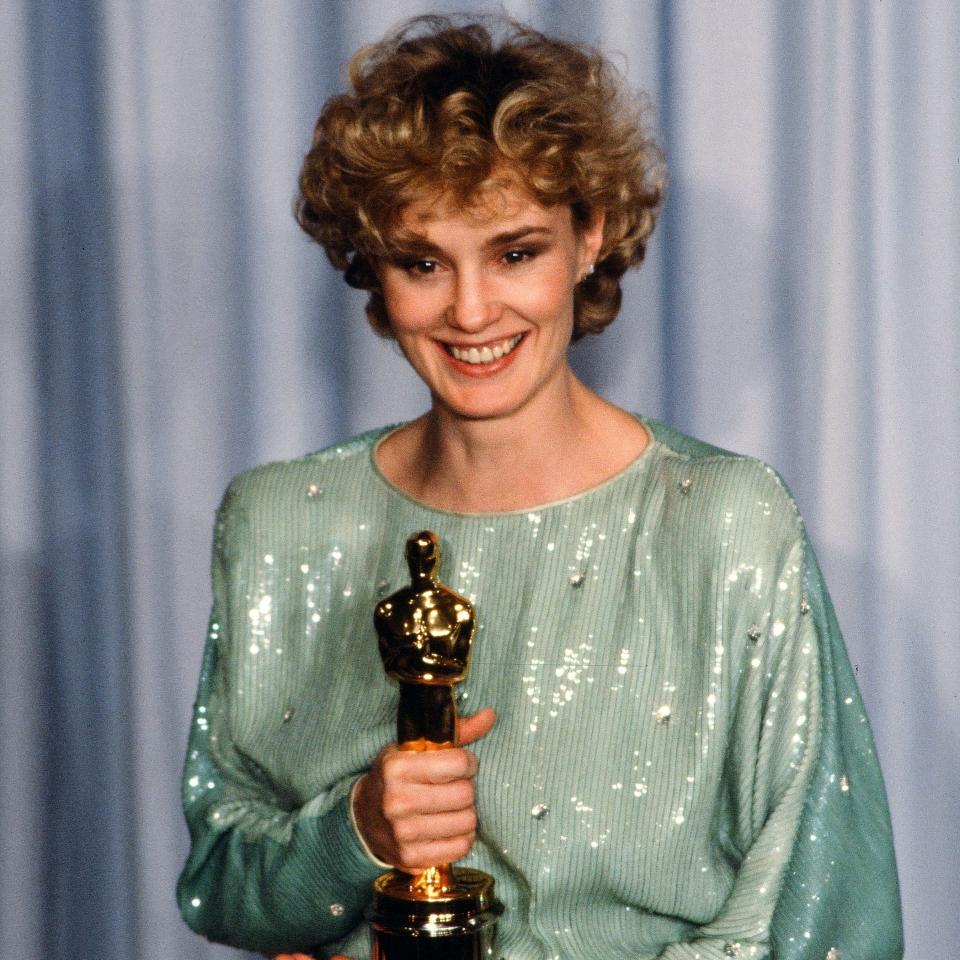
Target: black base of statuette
(459, 926)
(458, 946)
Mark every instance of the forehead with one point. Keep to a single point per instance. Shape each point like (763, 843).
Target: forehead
(496, 201)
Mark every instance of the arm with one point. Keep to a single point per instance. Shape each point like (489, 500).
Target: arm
(842, 886)
(815, 857)
(770, 757)
(262, 874)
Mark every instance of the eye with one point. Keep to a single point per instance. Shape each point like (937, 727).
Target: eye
(422, 268)
(517, 256)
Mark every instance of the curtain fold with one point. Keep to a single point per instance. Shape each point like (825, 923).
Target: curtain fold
(165, 324)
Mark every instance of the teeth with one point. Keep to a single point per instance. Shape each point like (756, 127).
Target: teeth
(485, 354)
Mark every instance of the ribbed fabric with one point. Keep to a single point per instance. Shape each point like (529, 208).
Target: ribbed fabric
(681, 766)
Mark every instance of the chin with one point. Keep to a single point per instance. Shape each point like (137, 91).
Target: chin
(477, 411)
(482, 404)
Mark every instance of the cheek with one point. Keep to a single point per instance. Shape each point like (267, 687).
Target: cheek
(410, 310)
(551, 299)
(417, 351)
(403, 312)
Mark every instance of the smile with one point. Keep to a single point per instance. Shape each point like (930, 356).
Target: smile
(485, 354)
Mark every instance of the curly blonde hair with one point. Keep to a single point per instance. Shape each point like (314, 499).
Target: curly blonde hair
(439, 105)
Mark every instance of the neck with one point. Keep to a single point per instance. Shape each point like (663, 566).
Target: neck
(555, 446)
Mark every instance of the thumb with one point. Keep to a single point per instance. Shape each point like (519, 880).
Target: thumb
(471, 729)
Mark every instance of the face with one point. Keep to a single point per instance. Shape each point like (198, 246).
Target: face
(482, 305)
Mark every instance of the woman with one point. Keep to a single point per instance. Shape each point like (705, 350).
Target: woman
(679, 765)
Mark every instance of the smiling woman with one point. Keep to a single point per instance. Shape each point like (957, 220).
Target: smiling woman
(494, 294)
(437, 111)
(679, 765)
(485, 316)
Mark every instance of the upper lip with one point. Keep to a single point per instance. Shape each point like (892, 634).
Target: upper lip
(463, 345)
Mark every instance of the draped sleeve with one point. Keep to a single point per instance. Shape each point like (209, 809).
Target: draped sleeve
(805, 824)
(840, 896)
(266, 872)
(807, 820)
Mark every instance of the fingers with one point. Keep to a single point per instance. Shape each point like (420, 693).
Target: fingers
(428, 767)
(479, 725)
(419, 857)
(416, 809)
(430, 812)
(408, 797)
(446, 828)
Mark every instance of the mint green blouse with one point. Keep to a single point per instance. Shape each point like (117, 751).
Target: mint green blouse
(681, 766)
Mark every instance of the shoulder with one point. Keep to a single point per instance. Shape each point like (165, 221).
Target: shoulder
(303, 477)
(277, 492)
(726, 493)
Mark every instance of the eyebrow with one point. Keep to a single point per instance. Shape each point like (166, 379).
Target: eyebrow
(512, 236)
(419, 246)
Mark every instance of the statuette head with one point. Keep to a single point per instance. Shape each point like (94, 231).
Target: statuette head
(423, 555)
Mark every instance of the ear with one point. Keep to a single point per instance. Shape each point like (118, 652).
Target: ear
(590, 241)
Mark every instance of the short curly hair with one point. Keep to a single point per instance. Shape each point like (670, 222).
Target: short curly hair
(439, 105)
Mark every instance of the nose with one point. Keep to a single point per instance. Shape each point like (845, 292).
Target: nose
(472, 307)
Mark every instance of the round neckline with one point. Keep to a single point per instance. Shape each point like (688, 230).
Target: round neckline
(635, 464)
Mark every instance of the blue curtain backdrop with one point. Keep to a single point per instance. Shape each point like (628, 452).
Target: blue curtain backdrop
(165, 324)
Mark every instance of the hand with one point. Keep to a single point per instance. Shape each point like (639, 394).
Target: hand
(416, 810)
(303, 956)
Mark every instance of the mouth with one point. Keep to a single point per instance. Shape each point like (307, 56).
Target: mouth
(488, 353)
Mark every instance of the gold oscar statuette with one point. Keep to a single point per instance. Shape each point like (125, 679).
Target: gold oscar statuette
(425, 632)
